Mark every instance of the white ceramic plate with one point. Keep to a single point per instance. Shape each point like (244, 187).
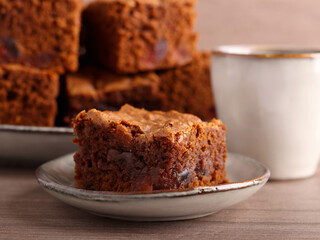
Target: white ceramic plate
(245, 174)
(27, 145)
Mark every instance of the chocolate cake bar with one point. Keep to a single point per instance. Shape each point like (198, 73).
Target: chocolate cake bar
(92, 87)
(28, 96)
(134, 150)
(40, 33)
(129, 36)
(188, 89)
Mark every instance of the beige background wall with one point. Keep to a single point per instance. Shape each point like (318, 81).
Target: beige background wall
(258, 22)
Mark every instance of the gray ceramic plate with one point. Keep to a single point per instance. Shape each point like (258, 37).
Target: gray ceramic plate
(245, 174)
(27, 145)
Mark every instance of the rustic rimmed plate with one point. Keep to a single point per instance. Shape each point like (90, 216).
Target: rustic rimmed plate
(246, 177)
(28, 145)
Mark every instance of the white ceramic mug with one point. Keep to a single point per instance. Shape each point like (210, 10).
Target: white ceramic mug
(269, 99)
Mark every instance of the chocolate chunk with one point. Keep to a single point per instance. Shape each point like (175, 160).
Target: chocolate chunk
(39, 61)
(185, 177)
(8, 50)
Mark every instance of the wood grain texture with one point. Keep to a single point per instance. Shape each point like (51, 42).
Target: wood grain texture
(280, 210)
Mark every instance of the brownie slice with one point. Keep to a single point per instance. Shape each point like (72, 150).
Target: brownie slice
(28, 96)
(92, 87)
(135, 150)
(140, 35)
(40, 33)
(186, 89)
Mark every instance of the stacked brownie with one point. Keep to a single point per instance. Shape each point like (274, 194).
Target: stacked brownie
(39, 40)
(28, 95)
(185, 89)
(140, 35)
(140, 52)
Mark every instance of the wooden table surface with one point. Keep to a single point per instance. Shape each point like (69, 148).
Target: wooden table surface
(280, 210)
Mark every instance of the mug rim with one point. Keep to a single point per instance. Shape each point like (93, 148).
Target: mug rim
(268, 51)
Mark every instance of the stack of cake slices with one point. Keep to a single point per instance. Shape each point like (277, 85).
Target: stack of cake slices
(140, 52)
